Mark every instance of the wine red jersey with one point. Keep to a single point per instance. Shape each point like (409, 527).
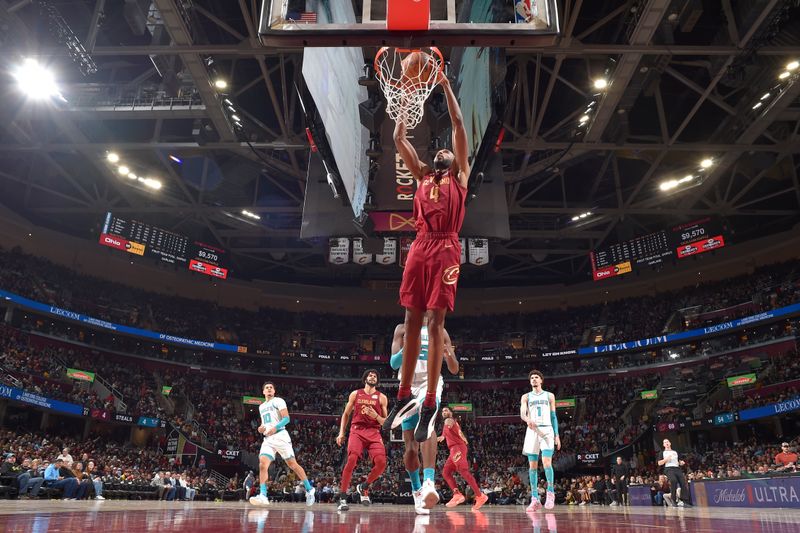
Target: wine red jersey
(362, 421)
(439, 205)
(452, 435)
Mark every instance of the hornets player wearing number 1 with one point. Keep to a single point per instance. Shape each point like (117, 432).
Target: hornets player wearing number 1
(274, 417)
(538, 410)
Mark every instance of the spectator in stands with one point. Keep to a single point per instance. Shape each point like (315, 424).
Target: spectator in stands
(787, 459)
(54, 479)
(95, 478)
(66, 457)
(34, 479)
(620, 471)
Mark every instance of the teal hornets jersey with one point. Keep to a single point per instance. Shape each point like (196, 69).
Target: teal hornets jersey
(539, 408)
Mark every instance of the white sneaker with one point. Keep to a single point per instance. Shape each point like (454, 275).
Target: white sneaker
(310, 496)
(429, 495)
(98, 497)
(343, 505)
(419, 503)
(259, 500)
(613, 504)
(582, 503)
(680, 503)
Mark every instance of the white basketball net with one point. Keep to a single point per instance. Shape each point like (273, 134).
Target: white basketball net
(406, 95)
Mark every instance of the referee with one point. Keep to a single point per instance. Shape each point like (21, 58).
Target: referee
(672, 468)
(621, 474)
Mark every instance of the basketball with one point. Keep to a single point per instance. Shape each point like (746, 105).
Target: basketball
(417, 67)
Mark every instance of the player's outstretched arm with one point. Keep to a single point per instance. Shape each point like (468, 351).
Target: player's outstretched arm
(348, 409)
(460, 143)
(408, 152)
(554, 420)
(450, 354)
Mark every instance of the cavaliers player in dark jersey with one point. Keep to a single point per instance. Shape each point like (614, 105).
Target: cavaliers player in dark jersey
(458, 462)
(368, 407)
(433, 263)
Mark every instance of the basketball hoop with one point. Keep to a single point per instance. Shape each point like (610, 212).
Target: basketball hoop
(406, 85)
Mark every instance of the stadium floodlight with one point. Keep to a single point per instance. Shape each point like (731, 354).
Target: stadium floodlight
(766, 95)
(668, 185)
(220, 83)
(122, 169)
(793, 66)
(36, 81)
(112, 157)
(133, 176)
(758, 104)
(600, 83)
(707, 162)
(152, 183)
(785, 74)
(584, 119)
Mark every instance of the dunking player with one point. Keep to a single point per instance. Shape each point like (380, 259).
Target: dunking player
(432, 267)
(274, 417)
(369, 411)
(538, 410)
(425, 495)
(457, 443)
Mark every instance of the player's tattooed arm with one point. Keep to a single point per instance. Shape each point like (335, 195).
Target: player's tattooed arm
(408, 153)
(523, 412)
(348, 409)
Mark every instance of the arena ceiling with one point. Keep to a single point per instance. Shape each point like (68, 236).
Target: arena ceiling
(685, 78)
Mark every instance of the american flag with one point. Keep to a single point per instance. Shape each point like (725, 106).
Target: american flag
(309, 17)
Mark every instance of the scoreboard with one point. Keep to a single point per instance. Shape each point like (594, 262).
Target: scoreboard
(681, 241)
(139, 238)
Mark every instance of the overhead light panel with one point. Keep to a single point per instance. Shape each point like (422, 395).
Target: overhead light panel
(707, 162)
(122, 169)
(600, 83)
(758, 104)
(175, 159)
(112, 157)
(219, 83)
(35, 80)
(785, 74)
(792, 66)
(249, 214)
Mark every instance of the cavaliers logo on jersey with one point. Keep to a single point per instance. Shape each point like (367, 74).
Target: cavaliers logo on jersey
(450, 276)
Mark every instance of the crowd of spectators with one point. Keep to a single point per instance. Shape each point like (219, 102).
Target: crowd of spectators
(271, 329)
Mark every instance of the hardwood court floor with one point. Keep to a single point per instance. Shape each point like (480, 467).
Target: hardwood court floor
(202, 517)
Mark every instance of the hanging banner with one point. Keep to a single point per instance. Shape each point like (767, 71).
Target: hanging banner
(393, 221)
(649, 394)
(478, 252)
(165, 390)
(339, 253)
(359, 257)
(463, 251)
(744, 379)
(389, 255)
(253, 400)
(80, 375)
(405, 247)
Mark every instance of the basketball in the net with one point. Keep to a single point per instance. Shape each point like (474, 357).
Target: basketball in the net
(417, 68)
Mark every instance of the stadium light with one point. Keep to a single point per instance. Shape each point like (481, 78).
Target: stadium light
(785, 74)
(600, 83)
(249, 214)
(668, 185)
(766, 95)
(706, 163)
(152, 183)
(584, 119)
(793, 66)
(758, 104)
(176, 159)
(219, 83)
(35, 80)
(112, 157)
(122, 169)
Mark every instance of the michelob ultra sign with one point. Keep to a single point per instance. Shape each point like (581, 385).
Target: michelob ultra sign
(81, 375)
(744, 379)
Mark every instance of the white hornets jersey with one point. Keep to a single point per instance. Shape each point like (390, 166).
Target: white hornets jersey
(539, 408)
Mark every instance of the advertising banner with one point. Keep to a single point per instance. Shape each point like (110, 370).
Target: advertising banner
(80, 375)
(565, 403)
(639, 496)
(100, 414)
(91, 321)
(393, 221)
(692, 333)
(20, 395)
(744, 379)
(165, 390)
(339, 252)
(649, 395)
(460, 407)
(253, 400)
(759, 493)
(229, 455)
(770, 410)
(612, 271)
(588, 458)
(699, 247)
